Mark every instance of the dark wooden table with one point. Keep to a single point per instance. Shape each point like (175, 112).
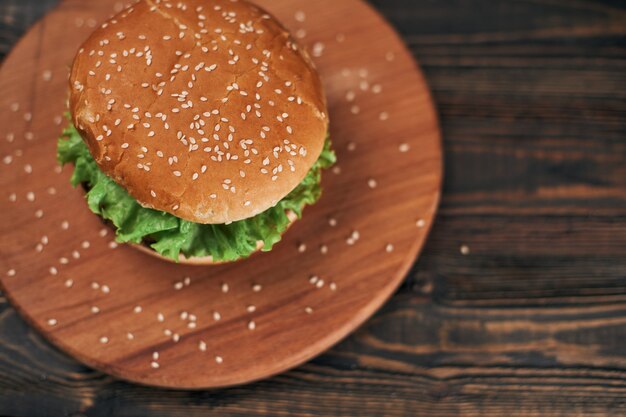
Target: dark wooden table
(517, 306)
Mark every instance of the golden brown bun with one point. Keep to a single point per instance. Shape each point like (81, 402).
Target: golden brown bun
(206, 260)
(206, 109)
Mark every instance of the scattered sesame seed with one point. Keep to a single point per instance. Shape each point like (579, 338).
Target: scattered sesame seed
(257, 288)
(52, 322)
(302, 247)
(137, 309)
(384, 116)
(95, 309)
(53, 270)
(112, 245)
(219, 359)
(332, 222)
(323, 249)
(202, 346)
(300, 16)
(217, 316)
(372, 183)
(154, 364)
(224, 287)
(251, 309)
(332, 286)
(69, 283)
(160, 317)
(11, 272)
(65, 225)
(420, 223)
(308, 310)
(251, 325)
(404, 147)
(389, 248)
(464, 249)
(130, 336)
(104, 340)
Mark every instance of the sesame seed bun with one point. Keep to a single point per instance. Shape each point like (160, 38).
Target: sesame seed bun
(205, 109)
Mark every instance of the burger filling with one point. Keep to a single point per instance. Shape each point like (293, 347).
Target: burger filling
(171, 236)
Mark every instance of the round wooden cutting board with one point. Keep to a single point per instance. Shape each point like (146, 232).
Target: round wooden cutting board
(152, 322)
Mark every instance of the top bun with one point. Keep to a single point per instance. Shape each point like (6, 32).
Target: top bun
(205, 109)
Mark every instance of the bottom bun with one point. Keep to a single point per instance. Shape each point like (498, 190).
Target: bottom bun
(205, 260)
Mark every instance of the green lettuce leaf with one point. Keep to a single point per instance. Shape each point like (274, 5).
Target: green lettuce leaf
(171, 236)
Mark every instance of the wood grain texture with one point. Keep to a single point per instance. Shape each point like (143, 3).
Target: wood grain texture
(148, 321)
(530, 323)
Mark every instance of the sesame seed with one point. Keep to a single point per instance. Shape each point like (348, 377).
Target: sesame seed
(225, 288)
(104, 340)
(308, 310)
(217, 316)
(420, 223)
(251, 309)
(257, 288)
(69, 283)
(53, 270)
(154, 364)
(332, 286)
(52, 322)
(219, 359)
(332, 222)
(95, 309)
(130, 336)
(384, 116)
(251, 325)
(202, 346)
(137, 309)
(160, 317)
(372, 183)
(464, 249)
(323, 249)
(389, 248)
(302, 247)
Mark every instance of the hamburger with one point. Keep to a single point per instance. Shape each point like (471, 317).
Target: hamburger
(198, 128)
